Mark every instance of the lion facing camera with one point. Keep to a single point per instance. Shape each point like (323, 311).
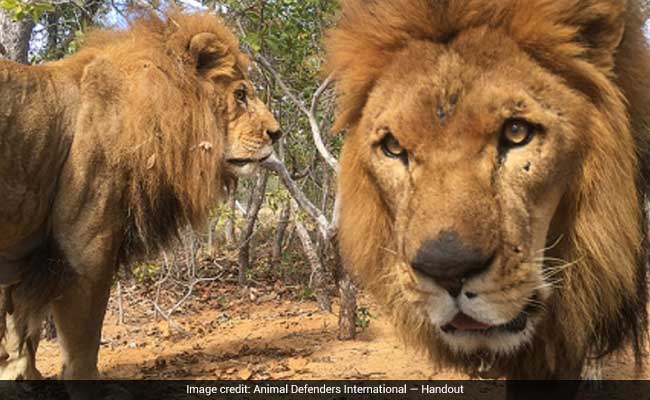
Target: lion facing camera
(495, 162)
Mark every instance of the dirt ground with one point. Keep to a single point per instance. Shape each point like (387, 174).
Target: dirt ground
(260, 338)
(272, 340)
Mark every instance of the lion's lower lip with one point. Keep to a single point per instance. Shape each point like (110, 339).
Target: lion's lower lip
(463, 323)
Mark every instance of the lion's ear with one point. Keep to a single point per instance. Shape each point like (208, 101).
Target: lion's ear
(601, 25)
(209, 53)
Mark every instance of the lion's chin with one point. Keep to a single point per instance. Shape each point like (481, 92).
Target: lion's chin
(497, 340)
(467, 330)
(244, 170)
(246, 166)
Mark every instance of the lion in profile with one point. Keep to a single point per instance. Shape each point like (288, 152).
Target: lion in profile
(495, 165)
(104, 155)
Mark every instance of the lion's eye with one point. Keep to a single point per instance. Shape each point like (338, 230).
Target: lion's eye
(517, 132)
(241, 95)
(391, 148)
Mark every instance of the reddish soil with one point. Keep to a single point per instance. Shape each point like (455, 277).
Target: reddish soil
(259, 338)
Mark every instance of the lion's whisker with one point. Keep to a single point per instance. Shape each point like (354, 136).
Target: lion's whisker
(552, 271)
(543, 260)
(553, 245)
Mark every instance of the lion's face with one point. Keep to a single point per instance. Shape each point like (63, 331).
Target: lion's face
(252, 129)
(467, 161)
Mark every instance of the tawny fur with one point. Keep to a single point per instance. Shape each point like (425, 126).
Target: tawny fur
(597, 50)
(106, 154)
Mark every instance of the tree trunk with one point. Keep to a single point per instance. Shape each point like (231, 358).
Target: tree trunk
(14, 37)
(255, 203)
(283, 223)
(347, 295)
(317, 281)
(229, 226)
(348, 310)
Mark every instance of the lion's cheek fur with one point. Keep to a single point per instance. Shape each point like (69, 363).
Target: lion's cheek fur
(368, 248)
(363, 216)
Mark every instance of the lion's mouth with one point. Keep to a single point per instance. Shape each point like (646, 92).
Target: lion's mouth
(242, 162)
(463, 323)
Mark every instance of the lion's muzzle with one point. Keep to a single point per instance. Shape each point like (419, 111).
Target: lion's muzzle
(450, 262)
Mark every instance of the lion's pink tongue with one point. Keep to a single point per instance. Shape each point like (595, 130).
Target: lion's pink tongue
(464, 322)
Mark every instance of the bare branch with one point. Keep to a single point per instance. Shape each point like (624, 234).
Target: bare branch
(254, 204)
(229, 227)
(189, 292)
(117, 9)
(241, 208)
(167, 318)
(275, 165)
(315, 126)
(280, 231)
(287, 91)
(317, 279)
(120, 306)
(309, 113)
(166, 267)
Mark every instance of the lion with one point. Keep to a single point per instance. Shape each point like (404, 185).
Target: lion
(495, 163)
(104, 156)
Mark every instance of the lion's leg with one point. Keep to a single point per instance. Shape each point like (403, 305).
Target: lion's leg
(78, 316)
(18, 360)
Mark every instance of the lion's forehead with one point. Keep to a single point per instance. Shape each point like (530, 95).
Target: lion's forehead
(458, 96)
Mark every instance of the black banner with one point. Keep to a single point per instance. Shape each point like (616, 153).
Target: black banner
(324, 390)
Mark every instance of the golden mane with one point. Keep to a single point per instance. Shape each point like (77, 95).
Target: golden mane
(171, 141)
(605, 231)
(564, 36)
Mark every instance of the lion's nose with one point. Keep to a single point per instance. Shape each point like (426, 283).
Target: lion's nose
(275, 135)
(449, 261)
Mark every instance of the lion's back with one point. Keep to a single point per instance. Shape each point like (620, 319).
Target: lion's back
(33, 143)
